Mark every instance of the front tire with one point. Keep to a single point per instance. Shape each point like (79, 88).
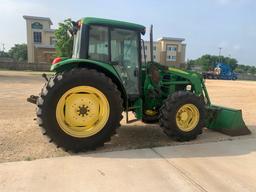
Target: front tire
(182, 116)
(79, 109)
(150, 117)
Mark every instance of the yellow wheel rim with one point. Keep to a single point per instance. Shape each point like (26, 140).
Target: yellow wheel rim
(187, 117)
(82, 111)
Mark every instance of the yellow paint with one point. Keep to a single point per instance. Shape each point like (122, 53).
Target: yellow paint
(150, 112)
(82, 111)
(187, 117)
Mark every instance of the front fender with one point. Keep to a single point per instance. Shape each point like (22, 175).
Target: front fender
(195, 78)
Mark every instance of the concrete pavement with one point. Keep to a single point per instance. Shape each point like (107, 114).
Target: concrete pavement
(222, 166)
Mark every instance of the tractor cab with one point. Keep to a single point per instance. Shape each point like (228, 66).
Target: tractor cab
(111, 42)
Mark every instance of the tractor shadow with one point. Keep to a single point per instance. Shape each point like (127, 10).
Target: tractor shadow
(155, 144)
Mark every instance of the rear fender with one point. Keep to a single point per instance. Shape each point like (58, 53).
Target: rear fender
(105, 68)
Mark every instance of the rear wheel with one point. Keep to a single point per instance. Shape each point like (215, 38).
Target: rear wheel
(182, 116)
(79, 109)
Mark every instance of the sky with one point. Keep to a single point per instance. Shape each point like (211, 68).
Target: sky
(205, 24)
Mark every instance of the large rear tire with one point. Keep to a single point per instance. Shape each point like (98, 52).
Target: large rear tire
(182, 116)
(79, 109)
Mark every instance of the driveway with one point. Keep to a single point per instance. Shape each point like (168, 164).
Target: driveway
(215, 166)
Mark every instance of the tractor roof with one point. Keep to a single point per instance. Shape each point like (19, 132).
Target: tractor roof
(114, 23)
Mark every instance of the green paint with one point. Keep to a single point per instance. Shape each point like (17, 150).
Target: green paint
(226, 120)
(36, 25)
(138, 108)
(71, 63)
(195, 79)
(114, 23)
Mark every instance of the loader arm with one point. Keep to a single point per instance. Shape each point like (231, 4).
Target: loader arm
(195, 79)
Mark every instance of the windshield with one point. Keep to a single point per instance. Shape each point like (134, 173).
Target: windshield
(77, 44)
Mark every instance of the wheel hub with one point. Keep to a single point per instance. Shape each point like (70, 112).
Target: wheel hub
(76, 109)
(187, 117)
(184, 116)
(82, 111)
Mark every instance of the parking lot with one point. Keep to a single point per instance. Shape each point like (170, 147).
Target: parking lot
(21, 138)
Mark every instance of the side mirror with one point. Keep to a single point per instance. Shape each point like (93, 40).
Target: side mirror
(73, 29)
(70, 33)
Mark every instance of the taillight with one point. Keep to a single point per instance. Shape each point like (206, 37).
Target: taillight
(56, 60)
(79, 24)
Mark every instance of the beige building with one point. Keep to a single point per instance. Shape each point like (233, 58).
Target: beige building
(40, 39)
(168, 51)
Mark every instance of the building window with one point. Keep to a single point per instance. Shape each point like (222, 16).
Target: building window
(53, 40)
(37, 37)
(154, 57)
(171, 48)
(154, 48)
(171, 58)
(146, 48)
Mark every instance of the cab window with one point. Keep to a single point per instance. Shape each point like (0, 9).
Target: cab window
(98, 44)
(125, 56)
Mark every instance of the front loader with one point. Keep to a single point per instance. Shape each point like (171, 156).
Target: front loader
(81, 106)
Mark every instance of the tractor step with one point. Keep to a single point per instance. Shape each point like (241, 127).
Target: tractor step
(128, 120)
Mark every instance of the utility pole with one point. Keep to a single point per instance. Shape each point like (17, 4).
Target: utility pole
(3, 47)
(220, 48)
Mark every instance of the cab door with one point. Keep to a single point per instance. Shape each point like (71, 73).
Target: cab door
(125, 57)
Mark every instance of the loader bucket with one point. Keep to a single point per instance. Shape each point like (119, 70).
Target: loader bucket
(226, 120)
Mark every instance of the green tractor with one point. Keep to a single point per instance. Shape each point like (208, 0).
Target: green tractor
(81, 106)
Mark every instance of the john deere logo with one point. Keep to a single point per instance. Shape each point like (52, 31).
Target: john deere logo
(37, 25)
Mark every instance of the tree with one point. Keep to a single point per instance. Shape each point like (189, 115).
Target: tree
(64, 44)
(4, 54)
(252, 70)
(19, 52)
(208, 62)
(246, 69)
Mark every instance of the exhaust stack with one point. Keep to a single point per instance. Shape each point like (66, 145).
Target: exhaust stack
(151, 44)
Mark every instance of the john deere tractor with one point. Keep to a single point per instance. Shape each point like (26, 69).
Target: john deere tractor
(81, 106)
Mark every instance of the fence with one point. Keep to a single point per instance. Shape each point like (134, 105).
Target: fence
(247, 77)
(12, 65)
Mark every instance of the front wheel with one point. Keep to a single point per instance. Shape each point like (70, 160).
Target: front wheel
(182, 116)
(150, 116)
(79, 109)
